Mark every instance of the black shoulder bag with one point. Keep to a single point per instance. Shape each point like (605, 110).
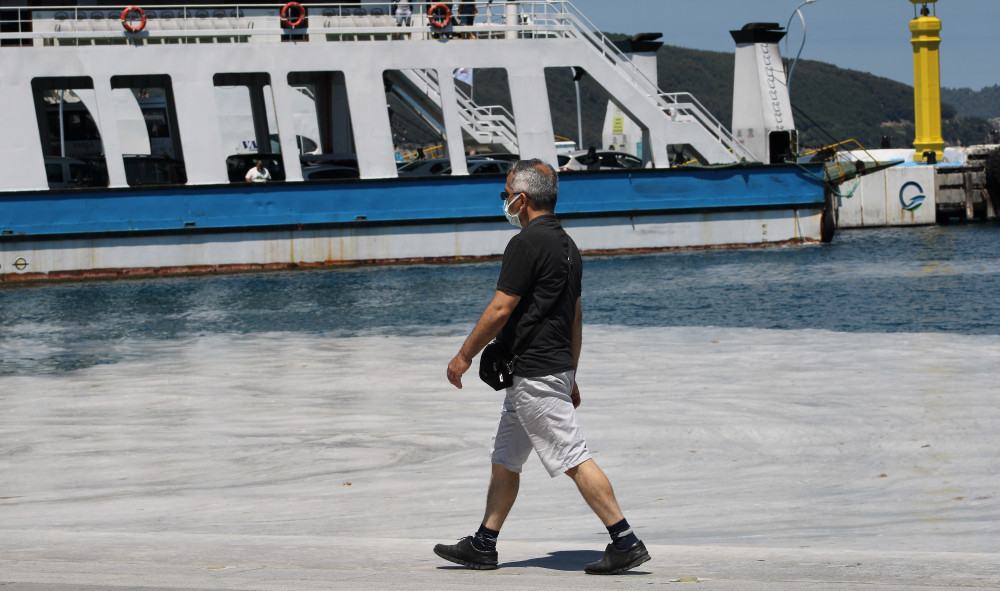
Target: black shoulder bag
(496, 363)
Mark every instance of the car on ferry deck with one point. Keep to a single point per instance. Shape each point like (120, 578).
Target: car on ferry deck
(319, 172)
(68, 173)
(437, 166)
(610, 160)
(427, 167)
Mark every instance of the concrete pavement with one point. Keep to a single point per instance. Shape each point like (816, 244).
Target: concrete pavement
(746, 459)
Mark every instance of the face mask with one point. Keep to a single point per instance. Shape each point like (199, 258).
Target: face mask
(513, 219)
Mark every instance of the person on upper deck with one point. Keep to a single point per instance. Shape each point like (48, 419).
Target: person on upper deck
(403, 12)
(467, 12)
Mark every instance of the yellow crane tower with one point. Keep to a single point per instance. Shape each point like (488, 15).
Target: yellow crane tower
(925, 30)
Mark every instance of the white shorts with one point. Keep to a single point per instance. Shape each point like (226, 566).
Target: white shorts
(538, 414)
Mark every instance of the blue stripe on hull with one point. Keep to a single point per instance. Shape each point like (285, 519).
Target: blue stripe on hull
(394, 201)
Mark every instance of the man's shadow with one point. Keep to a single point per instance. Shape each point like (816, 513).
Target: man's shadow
(565, 560)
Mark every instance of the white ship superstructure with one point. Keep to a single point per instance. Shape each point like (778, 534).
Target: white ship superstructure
(174, 103)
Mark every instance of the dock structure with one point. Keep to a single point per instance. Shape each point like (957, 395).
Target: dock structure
(932, 183)
(963, 192)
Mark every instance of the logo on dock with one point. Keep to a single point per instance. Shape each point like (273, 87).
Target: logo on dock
(916, 200)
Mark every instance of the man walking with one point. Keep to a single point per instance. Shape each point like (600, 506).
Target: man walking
(540, 283)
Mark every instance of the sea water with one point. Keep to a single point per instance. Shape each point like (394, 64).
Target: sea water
(838, 396)
(928, 279)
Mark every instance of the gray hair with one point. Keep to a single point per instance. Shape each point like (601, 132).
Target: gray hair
(538, 181)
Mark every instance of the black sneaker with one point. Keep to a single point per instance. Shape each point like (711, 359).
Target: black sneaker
(616, 561)
(466, 554)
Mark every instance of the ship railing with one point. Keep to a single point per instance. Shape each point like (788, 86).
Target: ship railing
(428, 153)
(256, 23)
(341, 22)
(489, 124)
(683, 106)
(688, 110)
(843, 159)
(82, 25)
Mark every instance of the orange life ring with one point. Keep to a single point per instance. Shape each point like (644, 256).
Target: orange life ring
(142, 19)
(284, 14)
(439, 15)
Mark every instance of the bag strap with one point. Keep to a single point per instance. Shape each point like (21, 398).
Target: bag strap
(538, 327)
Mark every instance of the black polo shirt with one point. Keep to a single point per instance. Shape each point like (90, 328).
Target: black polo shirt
(538, 263)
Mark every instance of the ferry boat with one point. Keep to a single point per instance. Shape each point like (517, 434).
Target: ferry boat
(127, 133)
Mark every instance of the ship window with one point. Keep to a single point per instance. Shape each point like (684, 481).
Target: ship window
(156, 123)
(682, 154)
(147, 130)
(79, 170)
(69, 132)
(53, 172)
(601, 129)
(323, 132)
(780, 146)
(244, 104)
(415, 117)
(80, 126)
(482, 97)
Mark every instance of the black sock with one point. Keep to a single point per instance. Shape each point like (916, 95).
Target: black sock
(622, 536)
(485, 539)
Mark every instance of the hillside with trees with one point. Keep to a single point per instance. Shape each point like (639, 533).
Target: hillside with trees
(983, 103)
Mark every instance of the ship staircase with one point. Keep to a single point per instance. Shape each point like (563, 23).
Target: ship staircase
(484, 124)
(683, 119)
